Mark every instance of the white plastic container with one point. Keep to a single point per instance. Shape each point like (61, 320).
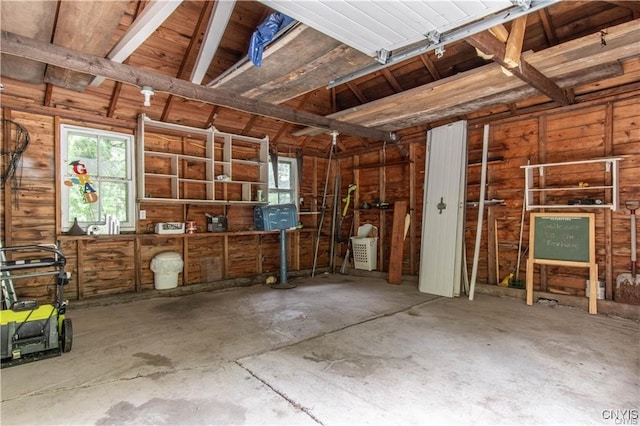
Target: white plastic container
(365, 252)
(166, 267)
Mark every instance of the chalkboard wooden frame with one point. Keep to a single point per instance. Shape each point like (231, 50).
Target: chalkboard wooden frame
(559, 239)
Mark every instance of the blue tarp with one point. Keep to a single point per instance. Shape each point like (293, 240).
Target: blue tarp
(264, 34)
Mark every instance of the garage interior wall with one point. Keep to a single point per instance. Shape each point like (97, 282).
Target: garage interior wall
(108, 265)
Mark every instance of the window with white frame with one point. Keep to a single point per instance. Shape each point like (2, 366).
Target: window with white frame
(97, 177)
(286, 192)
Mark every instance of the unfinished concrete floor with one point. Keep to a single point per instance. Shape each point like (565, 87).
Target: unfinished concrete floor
(335, 350)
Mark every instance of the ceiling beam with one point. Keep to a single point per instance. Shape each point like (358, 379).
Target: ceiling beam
(490, 45)
(513, 48)
(549, 31)
(186, 58)
(153, 15)
(356, 91)
(218, 21)
(633, 5)
(24, 47)
(430, 66)
(391, 80)
(88, 27)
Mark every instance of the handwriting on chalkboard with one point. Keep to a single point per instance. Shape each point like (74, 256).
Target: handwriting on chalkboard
(563, 238)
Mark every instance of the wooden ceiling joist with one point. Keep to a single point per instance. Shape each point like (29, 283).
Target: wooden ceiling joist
(153, 15)
(490, 45)
(513, 48)
(88, 27)
(24, 47)
(569, 64)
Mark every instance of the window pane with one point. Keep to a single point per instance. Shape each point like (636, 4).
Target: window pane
(84, 150)
(284, 175)
(80, 208)
(114, 199)
(272, 182)
(113, 156)
(285, 198)
(97, 177)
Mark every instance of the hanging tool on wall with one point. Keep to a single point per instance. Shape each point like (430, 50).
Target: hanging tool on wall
(16, 140)
(631, 279)
(335, 216)
(346, 200)
(334, 136)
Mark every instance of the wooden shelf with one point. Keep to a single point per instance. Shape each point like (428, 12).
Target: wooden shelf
(227, 169)
(379, 165)
(591, 167)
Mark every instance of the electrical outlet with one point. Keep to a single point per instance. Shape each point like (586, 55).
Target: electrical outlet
(142, 214)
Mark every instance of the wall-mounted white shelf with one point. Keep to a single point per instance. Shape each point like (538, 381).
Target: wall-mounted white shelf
(582, 192)
(226, 169)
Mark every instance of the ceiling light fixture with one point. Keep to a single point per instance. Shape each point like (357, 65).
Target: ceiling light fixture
(147, 91)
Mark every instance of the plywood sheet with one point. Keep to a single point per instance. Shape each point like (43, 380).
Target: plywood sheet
(34, 19)
(86, 27)
(297, 63)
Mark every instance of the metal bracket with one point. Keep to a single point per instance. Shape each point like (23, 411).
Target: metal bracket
(383, 56)
(433, 36)
(439, 52)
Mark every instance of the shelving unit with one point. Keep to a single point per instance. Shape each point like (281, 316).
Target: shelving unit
(223, 168)
(586, 168)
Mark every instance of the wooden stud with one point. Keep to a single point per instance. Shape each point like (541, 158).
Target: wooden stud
(608, 217)
(492, 249)
(513, 49)
(500, 32)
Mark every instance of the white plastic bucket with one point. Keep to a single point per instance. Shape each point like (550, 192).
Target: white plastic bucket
(166, 267)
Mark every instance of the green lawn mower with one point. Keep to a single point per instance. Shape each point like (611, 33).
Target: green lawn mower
(31, 331)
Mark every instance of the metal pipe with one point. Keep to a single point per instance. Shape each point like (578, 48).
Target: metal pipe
(283, 256)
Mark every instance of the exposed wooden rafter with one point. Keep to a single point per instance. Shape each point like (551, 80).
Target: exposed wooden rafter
(430, 66)
(490, 45)
(356, 91)
(88, 27)
(632, 5)
(513, 48)
(220, 13)
(153, 15)
(392, 80)
(186, 59)
(24, 47)
(549, 31)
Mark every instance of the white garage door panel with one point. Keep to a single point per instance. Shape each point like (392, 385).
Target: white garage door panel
(443, 210)
(369, 26)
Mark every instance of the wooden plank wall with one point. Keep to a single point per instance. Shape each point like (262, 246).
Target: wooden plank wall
(111, 265)
(596, 130)
(107, 265)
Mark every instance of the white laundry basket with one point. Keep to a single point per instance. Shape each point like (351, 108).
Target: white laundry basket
(166, 267)
(365, 252)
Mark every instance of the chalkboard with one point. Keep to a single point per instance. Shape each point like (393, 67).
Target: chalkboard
(562, 236)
